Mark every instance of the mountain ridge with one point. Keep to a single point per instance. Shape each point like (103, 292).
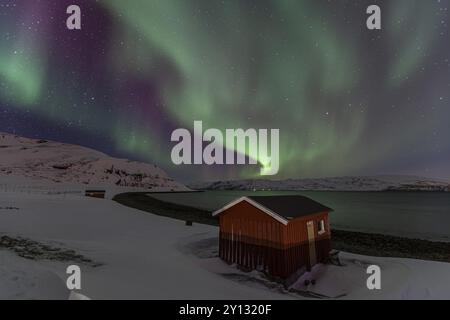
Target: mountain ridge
(356, 183)
(67, 163)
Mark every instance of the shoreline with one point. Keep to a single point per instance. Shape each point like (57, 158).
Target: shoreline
(369, 244)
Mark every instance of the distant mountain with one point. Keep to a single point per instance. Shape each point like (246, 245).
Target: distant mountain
(375, 183)
(65, 163)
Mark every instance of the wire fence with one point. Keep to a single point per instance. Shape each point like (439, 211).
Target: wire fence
(40, 190)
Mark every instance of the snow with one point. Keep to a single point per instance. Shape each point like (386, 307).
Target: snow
(144, 256)
(369, 183)
(60, 163)
(23, 279)
(400, 279)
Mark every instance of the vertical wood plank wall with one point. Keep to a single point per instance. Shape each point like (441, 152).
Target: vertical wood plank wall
(254, 240)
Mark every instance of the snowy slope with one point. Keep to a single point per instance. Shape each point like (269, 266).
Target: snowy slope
(25, 279)
(375, 183)
(140, 253)
(150, 257)
(64, 163)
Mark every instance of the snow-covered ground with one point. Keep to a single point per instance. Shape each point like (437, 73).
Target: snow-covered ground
(25, 279)
(143, 256)
(400, 279)
(140, 253)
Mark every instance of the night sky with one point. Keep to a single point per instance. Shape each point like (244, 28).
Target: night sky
(347, 100)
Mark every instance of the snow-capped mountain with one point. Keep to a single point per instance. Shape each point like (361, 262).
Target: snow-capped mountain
(65, 163)
(375, 183)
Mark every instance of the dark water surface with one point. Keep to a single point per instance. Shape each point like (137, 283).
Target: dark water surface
(410, 214)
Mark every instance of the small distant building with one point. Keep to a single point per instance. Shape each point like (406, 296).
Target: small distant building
(283, 236)
(100, 194)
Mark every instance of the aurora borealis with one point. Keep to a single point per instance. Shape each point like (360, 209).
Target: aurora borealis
(347, 101)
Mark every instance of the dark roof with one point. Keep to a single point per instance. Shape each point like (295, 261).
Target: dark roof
(290, 206)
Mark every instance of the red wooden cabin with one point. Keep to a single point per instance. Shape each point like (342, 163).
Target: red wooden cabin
(282, 236)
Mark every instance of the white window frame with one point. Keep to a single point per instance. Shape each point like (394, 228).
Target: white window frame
(322, 229)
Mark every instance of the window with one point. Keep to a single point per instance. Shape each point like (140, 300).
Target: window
(321, 227)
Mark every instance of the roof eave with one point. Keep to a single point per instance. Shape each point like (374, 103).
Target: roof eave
(254, 204)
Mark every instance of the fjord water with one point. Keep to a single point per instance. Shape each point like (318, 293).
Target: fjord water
(423, 215)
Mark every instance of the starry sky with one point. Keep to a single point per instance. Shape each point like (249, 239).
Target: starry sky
(347, 100)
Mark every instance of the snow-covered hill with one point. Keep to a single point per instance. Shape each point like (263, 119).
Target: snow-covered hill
(64, 163)
(375, 183)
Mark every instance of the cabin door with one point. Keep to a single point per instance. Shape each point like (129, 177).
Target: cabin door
(312, 243)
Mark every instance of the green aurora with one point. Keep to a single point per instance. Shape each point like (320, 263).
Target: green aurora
(346, 100)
